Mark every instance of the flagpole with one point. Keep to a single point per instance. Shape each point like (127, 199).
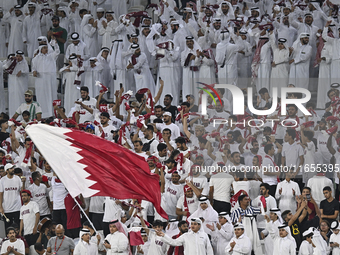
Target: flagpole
(75, 200)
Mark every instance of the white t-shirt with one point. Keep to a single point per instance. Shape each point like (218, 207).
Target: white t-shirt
(112, 210)
(192, 204)
(59, 194)
(153, 144)
(157, 245)
(172, 193)
(221, 183)
(85, 115)
(39, 195)
(33, 108)
(27, 214)
(18, 245)
(292, 152)
(175, 132)
(96, 204)
(11, 197)
(107, 131)
(241, 185)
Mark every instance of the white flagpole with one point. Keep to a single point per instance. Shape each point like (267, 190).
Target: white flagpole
(75, 200)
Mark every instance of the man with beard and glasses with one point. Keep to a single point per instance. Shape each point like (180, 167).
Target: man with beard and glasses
(60, 244)
(31, 106)
(10, 202)
(183, 228)
(60, 35)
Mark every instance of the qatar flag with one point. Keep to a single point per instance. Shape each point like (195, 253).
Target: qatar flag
(92, 166)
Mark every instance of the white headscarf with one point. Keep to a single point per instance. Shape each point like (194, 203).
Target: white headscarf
(319, 242)
(83, 23)
(172, 228)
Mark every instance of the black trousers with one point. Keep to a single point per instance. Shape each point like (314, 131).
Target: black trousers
(272, 190)
(31, 239)
(97, 220)
(13, 217)
(221, 206)
(60, 217)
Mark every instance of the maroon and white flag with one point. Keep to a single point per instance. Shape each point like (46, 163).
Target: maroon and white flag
(92, 166)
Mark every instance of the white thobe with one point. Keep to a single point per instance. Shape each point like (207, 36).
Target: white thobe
(83, 248)
(108, 34)
(226, 59)
(79, 49)
(284, 246)
(71, 91)
(119, 244)
(91, 75)
(335, 64)
(221, 238)
(143, 79)
(105, 76)
(242, 246)
(46, 82)
(335, 239)
(17, 86)
(193, 243)
(31, 31)
(119, 7)
(4, 31)
(324, 81)
(189, 76)
(100, 36)
(167, 71)
(299, 69)
(263, 73)
(90, 36)
(287, 199)
(279, 74)
(306, 248)
(2, 89)
(15, 39)
(207, 72)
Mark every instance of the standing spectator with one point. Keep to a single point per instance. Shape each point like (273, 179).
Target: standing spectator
(40, 195)
(293, 155)
(59, 194)
(10, 202)
(16, 21)
(60, 244)
(116, 241)
(269, 171)
(219, 193)
(44, 69)
(31, 29)
(13, 245)
(316, 184)
(239, 243)
(17, 69)
(29, 218)
(329, 207)
(286, 192)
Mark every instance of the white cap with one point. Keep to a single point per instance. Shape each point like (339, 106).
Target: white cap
(9, 166)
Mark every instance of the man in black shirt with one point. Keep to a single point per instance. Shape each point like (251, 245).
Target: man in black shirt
(294, 221)
(329, 207)
(3, 132)
(170, 108)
